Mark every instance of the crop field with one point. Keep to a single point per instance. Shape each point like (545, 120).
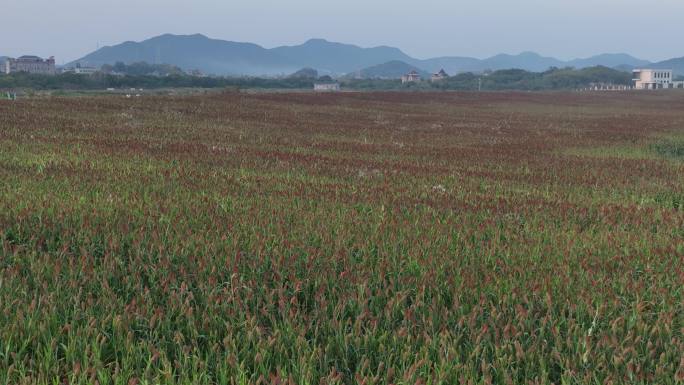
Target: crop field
(353, 238)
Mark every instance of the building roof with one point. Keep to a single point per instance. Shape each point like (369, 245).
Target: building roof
(29, 57)
(651, 69)
(442, 73)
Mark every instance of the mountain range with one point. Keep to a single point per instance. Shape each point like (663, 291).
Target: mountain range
(221, 57)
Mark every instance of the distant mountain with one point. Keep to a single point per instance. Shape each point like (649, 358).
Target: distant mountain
(625, 67)
(188, 52)
(230, 58)
(676, 65)
(394, 69)
(337, 58)
(305, 73)
(528, 61)
(451, 64)
(615, 60)
(220, 57)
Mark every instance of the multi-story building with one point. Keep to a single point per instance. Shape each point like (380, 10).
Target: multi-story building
(411, 77)
(31, 64)
(653, 79)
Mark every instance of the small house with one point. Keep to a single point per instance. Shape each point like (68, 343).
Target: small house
(326, 87)
(441, 75)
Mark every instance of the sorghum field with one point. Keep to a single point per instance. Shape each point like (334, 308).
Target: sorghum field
(380, 238)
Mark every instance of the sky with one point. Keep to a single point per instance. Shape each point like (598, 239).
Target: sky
(565, 29)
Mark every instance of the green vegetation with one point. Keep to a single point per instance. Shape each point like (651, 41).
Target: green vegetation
(554, 79)
(670, 147)
(142, 69)
(514, 79)
(102, 81)
(359, 238)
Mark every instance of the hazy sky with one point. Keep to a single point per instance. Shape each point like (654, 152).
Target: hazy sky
(68, 29)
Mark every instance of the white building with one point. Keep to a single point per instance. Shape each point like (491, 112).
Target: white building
(411, 77)
(30, 64)
(327, 87)
(85, 70)
(653, 79)
(81, 70)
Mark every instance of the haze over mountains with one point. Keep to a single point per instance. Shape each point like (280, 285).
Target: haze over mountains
(390, 70)
(220, 57)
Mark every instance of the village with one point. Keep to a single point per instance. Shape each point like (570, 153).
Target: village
(642, 79)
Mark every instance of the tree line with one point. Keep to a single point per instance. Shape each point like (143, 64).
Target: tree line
(513, 79)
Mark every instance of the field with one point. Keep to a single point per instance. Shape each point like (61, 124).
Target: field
(360, 238)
